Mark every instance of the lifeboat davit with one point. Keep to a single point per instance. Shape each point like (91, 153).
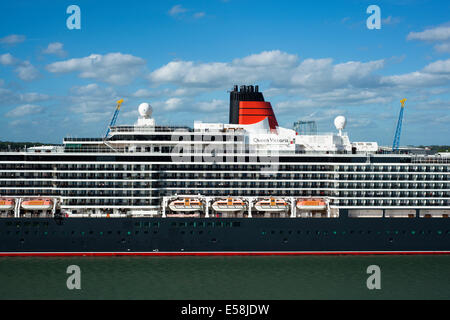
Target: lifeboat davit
(312, 204)
(229, 205)
(186, 205)
(272, 205)
(39, 204)
(7, 204)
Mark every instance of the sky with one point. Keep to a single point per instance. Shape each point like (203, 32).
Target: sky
(314, 60)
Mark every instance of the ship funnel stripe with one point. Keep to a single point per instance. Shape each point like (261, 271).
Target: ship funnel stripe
(251, 112)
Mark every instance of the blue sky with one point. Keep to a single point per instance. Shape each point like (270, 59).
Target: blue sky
(314, 60)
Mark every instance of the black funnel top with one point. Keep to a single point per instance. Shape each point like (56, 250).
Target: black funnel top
(245, 93)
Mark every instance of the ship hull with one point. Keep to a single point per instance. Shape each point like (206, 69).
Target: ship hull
(233, 236)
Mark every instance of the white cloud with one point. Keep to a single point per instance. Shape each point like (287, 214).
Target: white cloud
(309, 83)
(335, 98)
(55, 48)
(199, 15)
(33, 97)
(440, 66)
(173, 104)
(24, 110)
(12, 39)
(24, 69)
(8, 60)
(268, 58)
(93, 102)
(443, 47)
(177, 10)
(280, 68)
(210, 106)
(434, 34)
(434, 74)
(267, 64)
(9, 97)
(91, 89)
(320, 74)
(113, 68)
(439, 34)
(390, 20)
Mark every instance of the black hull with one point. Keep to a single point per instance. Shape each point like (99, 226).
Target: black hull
(215, 236)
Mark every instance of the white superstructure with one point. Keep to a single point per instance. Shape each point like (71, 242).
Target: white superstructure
(147, 170)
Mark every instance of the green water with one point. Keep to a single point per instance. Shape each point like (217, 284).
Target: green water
(231, 278)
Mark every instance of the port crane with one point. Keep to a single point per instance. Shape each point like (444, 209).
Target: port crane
(398, 131)
(114, 118)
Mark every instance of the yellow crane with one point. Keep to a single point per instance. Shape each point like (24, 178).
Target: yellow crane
(398, 131)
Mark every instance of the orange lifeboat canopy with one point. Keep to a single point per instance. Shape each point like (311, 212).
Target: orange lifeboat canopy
(38, 204)
(312, 204)
(7, 204)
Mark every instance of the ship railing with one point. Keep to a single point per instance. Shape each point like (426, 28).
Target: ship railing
(150, 129)
(430, 160)
(82, 139)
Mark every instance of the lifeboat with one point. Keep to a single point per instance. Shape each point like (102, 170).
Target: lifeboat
(186, 205)
(229, 205)
(311, 204)
(39, 204)
(272, 205)
(7, 204)
(181, 215)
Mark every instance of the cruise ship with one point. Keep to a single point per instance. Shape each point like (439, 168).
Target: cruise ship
(247, 187)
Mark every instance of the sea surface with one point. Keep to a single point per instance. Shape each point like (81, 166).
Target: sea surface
(226, 278)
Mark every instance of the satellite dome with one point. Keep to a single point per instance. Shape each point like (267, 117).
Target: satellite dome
(145, 110)
(340, 122)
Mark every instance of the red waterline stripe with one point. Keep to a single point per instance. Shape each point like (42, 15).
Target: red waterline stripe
(169, 254)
